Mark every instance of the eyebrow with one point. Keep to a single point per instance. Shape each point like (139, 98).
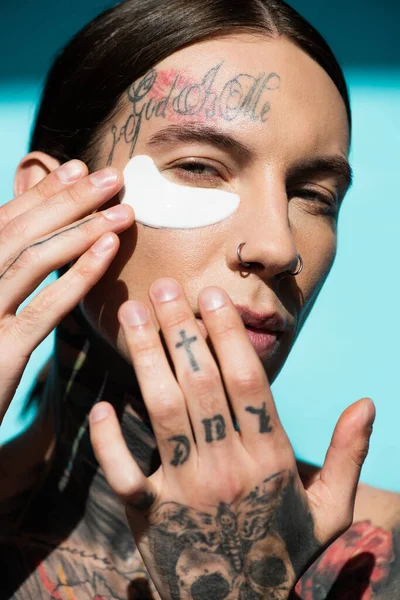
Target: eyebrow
(337, 165)
(203, 134)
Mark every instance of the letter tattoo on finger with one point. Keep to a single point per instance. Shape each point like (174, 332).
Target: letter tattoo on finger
(181, 450)
(215, 428)
(264, 418)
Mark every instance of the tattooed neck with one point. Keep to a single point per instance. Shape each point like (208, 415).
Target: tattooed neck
(85, 371)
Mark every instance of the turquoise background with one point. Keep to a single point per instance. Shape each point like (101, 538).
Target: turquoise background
(349, 346)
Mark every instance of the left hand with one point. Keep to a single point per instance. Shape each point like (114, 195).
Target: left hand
(226, 515)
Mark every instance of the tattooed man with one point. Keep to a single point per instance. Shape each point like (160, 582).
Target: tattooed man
(157, 465)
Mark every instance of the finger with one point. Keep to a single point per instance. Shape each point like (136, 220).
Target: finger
(243, 374)
(196, 370)
(333, 494)
(49, 186)
(64, 208)
(120, 469)
(161, 393)
(30, 266)
(22, 334)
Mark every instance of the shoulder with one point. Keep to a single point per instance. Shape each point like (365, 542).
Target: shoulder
(363, 563)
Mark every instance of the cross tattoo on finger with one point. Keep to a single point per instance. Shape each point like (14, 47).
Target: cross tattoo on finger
(186, 343)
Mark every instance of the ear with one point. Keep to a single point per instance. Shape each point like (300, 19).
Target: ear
(34, 167)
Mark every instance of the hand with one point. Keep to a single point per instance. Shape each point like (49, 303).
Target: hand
(41, 230)
(226, 515)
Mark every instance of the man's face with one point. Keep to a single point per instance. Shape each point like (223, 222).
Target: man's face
(255, 116)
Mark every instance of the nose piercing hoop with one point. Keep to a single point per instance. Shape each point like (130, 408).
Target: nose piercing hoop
(245, 264)
(299, 268)
(292, 273)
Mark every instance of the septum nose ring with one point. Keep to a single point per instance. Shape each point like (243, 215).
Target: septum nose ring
(294, 273)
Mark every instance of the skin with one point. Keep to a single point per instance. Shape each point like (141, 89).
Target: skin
(306, 119)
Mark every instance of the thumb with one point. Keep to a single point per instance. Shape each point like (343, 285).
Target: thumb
(334, 492)
(120, 468)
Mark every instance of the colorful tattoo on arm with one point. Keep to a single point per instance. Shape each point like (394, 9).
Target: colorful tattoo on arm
(363, 564)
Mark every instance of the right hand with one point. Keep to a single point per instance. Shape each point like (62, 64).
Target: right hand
(41, 230)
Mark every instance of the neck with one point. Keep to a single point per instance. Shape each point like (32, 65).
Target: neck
(86, 370)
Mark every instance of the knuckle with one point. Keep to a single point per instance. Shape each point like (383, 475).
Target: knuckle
(226, 326)
(126, 489)
(31, 316)
(178, 318)
(225, 484)
(145, 351)
(45, 300)
(203, 382)
(27, 258)
(73, 196)
(80, 275)
(165, 408)
(249, 382)
(359, 452)
(84, 228)
(101, 221)
(27, 322)
(89, 226)
(4, 216)
(42, 189)
(14, 229)
(30, 255)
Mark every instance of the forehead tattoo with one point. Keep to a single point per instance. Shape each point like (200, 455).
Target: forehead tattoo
(174, 94)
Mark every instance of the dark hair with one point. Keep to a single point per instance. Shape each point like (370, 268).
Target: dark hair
(88, 78)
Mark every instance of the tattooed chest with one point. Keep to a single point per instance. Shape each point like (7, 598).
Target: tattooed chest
(70, 573)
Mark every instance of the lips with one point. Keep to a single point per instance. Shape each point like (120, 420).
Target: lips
(264, 322)
(263, 329)
(265, 343)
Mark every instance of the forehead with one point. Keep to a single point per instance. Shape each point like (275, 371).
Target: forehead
(268, 96)
(257, 85)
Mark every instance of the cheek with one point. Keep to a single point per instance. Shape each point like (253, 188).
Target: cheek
(165, 253)
(146, 254)
(317, 247)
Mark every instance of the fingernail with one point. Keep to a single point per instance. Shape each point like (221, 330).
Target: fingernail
(104, 178)
(70, 171)
(98, 413)
(120, 212)
(105, 243)
(212, 298)
(164, 290)
(134, 314)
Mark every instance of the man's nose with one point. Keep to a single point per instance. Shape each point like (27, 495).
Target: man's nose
(268, 240)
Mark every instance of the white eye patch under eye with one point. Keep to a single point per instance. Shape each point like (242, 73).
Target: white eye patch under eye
(158, 202)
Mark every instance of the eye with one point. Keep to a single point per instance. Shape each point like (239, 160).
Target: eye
(198, 168)
(323, 203)
(198, 172)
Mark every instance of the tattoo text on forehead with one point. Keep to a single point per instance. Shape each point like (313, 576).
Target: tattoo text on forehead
(173, 94)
